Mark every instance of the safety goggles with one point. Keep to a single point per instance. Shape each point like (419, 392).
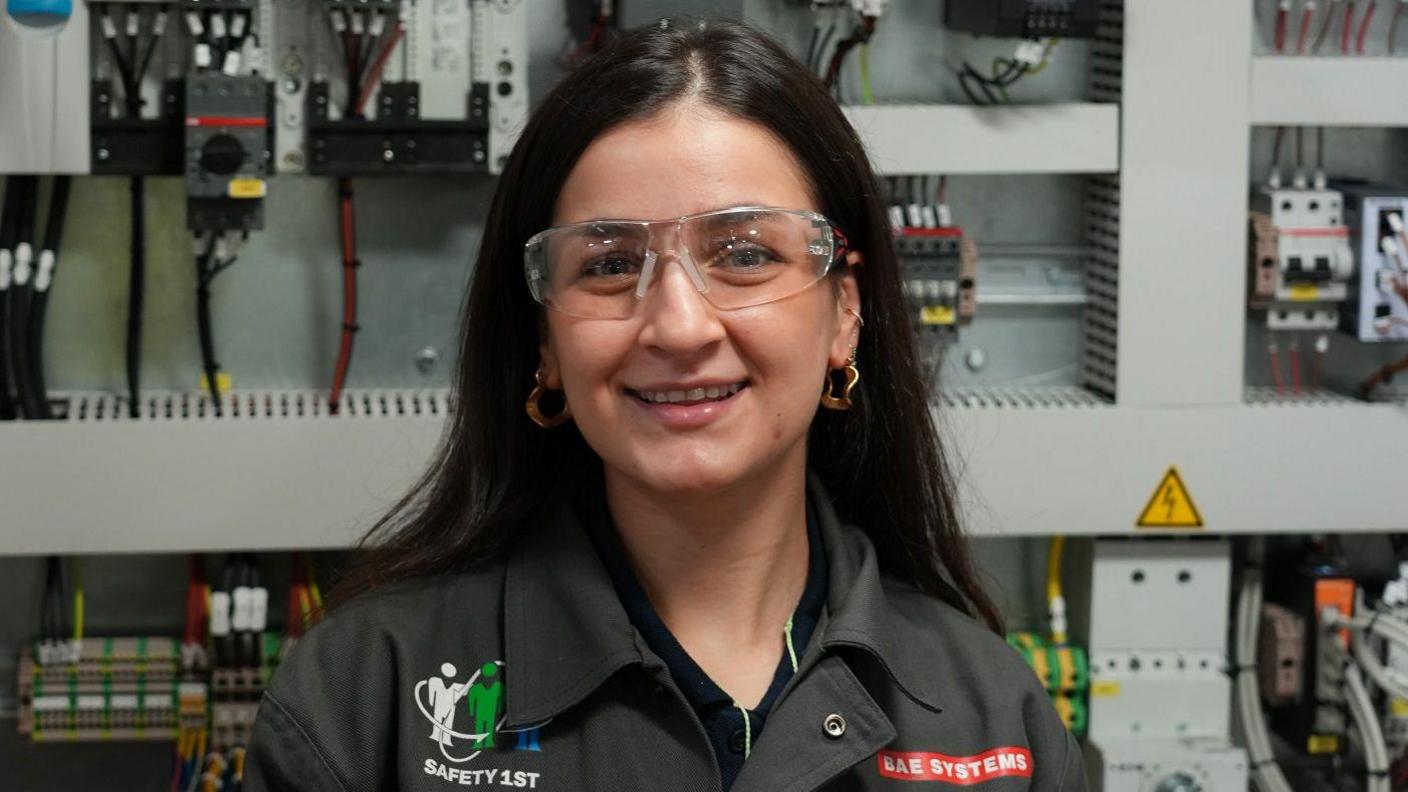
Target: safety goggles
(736, 258)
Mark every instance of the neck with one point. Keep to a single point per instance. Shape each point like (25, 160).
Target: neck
(724, 569)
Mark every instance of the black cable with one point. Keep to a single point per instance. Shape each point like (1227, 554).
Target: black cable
(21, 289)
(136, 287)
(44, 279)
(146, 59)
(1324, 29)
(206, 270)
(8, 221)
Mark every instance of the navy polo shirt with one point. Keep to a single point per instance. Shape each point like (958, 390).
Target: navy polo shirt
(722, 721)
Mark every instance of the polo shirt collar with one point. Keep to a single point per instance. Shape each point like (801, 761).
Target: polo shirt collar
(566, 632)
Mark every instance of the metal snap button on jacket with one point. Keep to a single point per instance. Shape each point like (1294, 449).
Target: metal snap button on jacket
(834, 725)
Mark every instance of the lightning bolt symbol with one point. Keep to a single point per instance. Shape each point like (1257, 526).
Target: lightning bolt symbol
(1169, 501)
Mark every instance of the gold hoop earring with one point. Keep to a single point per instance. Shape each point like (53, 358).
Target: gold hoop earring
(545, 421)
(829, 399)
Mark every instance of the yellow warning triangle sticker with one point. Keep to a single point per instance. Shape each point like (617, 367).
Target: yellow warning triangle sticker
(1170, 506)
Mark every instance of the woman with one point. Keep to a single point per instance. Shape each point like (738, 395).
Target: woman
(720, 550)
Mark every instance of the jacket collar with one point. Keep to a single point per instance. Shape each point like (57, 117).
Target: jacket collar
(566, 632)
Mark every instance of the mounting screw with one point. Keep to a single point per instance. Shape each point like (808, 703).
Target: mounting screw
(426, 360)
(387, 155)
(103, 154)
(976, 359)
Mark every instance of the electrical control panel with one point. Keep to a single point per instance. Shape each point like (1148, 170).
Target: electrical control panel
(1302, 261)
(1376, 217)
(1023, 18)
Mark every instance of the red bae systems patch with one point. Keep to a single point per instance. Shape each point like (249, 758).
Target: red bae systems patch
(958, 770)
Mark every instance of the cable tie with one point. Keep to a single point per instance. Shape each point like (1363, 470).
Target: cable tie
(351, 327)
(1262, 763)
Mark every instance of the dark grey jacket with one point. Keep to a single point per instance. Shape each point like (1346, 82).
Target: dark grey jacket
(528, 674)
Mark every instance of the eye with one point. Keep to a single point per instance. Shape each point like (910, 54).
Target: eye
(743, 256)
(610, 266)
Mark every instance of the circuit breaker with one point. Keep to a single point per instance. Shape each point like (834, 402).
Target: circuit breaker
(1376, 216)
(1301, 261)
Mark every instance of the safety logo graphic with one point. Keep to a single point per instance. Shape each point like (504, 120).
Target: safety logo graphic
(479, 700)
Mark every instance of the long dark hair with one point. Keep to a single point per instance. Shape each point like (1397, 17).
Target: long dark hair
(881, 461)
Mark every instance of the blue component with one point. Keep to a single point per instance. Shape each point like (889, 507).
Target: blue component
(39, 13)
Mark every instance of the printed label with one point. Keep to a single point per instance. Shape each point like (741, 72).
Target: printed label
(958, 770)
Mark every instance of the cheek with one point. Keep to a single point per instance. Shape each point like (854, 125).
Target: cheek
(588, 354)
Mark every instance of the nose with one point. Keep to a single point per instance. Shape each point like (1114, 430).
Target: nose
(677, 320)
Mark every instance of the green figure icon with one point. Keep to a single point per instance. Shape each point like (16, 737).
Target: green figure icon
(483, 699)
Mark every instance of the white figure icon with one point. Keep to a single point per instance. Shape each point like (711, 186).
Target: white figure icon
(443, 699)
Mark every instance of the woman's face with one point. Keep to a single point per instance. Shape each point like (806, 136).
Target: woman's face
(684, 161)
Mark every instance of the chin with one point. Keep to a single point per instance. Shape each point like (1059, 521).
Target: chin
(687, 471)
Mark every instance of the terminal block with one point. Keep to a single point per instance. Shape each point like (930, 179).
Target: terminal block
(105, 689)
(1301, 261)
(1377, 216)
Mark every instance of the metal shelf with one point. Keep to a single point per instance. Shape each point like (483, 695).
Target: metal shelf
(1033, 462)
(1329, 91)
(956, 139)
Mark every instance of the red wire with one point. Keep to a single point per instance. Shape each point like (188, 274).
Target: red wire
(1305, 19)
(1280, 29)
(378, 66)
(349, 292)
(1348, 26)
(1276, 371)
(1294, 354)
(1364, 27)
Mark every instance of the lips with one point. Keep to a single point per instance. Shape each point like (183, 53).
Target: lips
(688, 396)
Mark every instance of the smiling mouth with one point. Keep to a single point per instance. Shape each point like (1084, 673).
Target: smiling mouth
(688, 397)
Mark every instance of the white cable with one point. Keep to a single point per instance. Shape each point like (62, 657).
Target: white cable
(1265, 772)
(1361, 708)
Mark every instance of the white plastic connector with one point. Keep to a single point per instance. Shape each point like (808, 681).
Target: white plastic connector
(24, 257)
(1030, 52)
(1299, 181)
(912, 215)
(926, 214)
(378, 24)
(202, 55)
(945, 216)
(258, 609)
(194, 24)
(359, 24)
(870, 8)
(1395, 220)
(237, 26)
(1321, 182)
(1058, 615)
(7, 264)
(896, 217)
(217, 27)
(241, 614)
(1322, 344)
(231, 66)
(44, 273)
(134, 23)
(109, 27)
(219, 613)
(159, 24)
(339, 23)
(1274, 180)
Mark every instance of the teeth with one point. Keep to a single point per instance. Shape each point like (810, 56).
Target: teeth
(697, 394)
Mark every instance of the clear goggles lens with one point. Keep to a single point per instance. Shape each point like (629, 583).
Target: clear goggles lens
(735, 257)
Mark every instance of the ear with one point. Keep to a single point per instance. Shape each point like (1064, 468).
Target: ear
(847, 326)
(552, 372)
